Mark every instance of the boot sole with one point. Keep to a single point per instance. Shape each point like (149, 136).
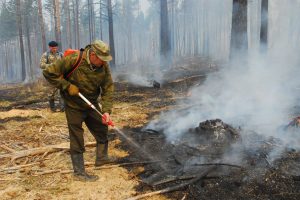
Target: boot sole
(104, 163)
(82, 179)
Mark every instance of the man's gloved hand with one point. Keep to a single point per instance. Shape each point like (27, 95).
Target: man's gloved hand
(106, 120)
(73, 90)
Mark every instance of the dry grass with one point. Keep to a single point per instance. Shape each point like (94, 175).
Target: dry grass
(35, 126)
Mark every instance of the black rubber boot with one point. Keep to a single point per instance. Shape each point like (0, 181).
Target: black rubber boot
(102, 157)
(79, 171)
(52, 105)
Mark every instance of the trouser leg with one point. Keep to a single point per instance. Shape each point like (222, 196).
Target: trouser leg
(99, 131)
(52, 105)
(75, 119)
(94, 123)
(61, 103)
(51, 98)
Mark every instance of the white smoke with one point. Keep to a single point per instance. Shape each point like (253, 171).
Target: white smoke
(139, 80)
(144, 78)
(257, 94)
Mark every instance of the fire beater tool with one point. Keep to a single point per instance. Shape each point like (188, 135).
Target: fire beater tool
(110, 123)
(128, 139)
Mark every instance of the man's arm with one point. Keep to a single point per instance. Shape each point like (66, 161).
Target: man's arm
(43, 61)
(107, 91)
(54, 73)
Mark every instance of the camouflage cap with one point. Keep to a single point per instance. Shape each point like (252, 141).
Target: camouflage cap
(102, 50)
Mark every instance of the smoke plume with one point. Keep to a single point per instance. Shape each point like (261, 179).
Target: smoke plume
(258, 93)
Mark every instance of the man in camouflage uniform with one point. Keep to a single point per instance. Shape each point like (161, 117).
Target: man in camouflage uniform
(91, 78)
(47, 58)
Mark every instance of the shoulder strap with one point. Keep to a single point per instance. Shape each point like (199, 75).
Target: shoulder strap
(74, 67)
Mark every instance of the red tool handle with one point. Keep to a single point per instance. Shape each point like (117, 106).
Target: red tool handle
(109, 123)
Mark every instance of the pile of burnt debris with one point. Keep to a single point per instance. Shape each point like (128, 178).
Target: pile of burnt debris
(214, 161)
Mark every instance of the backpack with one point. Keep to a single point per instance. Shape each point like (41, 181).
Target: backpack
(78, 60)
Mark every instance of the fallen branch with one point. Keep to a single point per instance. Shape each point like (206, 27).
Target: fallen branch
(127, 164)
(190, 78)
(41, 150)
(171, 179)
(7, 148)
(179, 178)
(183, 198)
(9, 179)
(285, 194)
(174, 188)
(47, 172)
(218, 164)
(17, 167)
(52, 171)
(63, 126)
(95, 168)
(151, 179)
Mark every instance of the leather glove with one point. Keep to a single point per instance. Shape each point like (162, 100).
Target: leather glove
(106, 120)
(73, 90)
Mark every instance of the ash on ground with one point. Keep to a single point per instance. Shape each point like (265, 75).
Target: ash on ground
(246, 166)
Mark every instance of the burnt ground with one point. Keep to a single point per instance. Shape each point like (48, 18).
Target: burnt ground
(26, 123)
(31, 95)
(251, 176)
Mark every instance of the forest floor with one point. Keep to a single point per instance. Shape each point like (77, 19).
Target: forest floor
(44, 172)
(34, 125)
(26, 123)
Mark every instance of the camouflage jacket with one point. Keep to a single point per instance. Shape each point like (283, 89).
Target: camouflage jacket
(48, 58)
(91, 82)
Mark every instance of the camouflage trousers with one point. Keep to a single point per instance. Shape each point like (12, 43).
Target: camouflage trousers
(93, 121)
(53, 93)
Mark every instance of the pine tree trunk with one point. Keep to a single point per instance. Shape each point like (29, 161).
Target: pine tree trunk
(27, 28)
(101, 24)
(74, 23)
(90, 20)
(77, 24)
(68, 24)
(19, 23)
(127, 15)
(239, 37)
(57, 23)
(42, 25)
(92, 17)
(264, 25)
(111, 32)
(36, 51)
(5, 70)
(27, 25)
(164, 34)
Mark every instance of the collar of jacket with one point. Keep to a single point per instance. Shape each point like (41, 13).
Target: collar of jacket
(57, 53)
